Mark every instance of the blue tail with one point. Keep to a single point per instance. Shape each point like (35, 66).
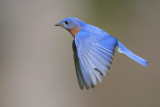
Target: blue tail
(124, 50)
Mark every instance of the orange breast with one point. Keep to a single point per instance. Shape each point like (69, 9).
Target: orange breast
(74, 31)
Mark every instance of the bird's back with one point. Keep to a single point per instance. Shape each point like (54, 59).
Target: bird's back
(95, 34)
(93, 29)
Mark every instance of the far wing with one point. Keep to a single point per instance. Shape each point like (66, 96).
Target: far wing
(77, 66)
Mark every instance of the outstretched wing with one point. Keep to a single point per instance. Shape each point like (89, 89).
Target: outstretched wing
(94, 57)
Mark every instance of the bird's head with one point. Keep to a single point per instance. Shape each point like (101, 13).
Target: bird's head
(73, 25)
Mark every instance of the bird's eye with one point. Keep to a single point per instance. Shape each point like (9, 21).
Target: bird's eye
(66, 22)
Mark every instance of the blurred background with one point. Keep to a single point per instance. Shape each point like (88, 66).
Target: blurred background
(36, 59)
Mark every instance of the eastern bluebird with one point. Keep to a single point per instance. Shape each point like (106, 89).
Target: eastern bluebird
(93, 50)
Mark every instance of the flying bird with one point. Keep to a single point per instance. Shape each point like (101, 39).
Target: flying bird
(93, 50)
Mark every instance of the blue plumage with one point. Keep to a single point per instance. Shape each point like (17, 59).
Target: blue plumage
(122, 49)
(93, 51)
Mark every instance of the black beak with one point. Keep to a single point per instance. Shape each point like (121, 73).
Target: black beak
(58, 24)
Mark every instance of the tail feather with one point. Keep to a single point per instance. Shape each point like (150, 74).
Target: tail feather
(122, 49)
